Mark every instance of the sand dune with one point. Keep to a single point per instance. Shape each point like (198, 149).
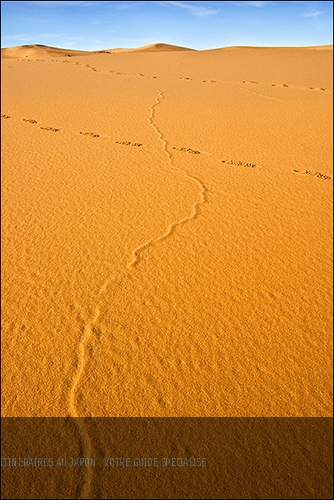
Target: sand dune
(320, 47)
(156, 47)
(315, 47)
(161, 47)
(167, 232)
(113, 51)
(38, 52)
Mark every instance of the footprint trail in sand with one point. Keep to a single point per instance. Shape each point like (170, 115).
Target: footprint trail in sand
(194, 212)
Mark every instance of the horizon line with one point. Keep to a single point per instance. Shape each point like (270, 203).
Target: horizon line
(30, 45)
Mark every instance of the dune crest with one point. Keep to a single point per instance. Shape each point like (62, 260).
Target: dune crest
(161, 47)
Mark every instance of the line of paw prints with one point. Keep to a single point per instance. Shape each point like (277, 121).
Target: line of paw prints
(313, 173)
(91, 68)
(232, 162)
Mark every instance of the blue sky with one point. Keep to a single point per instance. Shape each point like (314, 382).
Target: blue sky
(97, 25)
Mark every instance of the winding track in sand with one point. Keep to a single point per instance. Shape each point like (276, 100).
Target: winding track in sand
(194, 211)
(88, 328)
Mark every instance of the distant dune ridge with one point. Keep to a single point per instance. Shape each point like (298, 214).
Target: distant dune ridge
(167, 232)
(39, 51)
(313, 47)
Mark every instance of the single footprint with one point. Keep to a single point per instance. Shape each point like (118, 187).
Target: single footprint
(313, 173)
(318, 88)
(5, 116)
(51, 129)
(90, 134)
(29, 120)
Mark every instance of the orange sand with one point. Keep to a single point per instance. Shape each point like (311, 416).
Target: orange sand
(166, 223)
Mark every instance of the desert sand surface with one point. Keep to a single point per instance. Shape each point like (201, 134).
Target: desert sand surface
(167, 232)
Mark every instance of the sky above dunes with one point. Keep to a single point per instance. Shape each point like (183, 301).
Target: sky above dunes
(95, 25)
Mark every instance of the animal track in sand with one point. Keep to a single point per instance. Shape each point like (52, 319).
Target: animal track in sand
(90, 134)
(195, 207)
(241, 164)
(265, 96)
(313, 173)
(86, 66)
(231, 162)
(319, 88)
(128, 143)
(252, 82)
(187, 150)
(141, 75)
(88, 329)
(51, 129)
